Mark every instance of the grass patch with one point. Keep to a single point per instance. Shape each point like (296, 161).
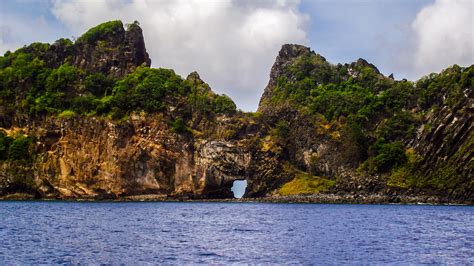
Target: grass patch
(404, 176)
(67, 114)
(304, 183)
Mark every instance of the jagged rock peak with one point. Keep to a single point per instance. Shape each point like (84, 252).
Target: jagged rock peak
(194, 77)
(195, 80)
(289, 51)
(110, 49)
(136, 44)
(361, 63)
(287, 55)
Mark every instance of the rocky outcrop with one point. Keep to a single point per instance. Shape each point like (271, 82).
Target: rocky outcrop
(218, 165)
(287, 55)
(99, 158)
(115, 54)
(443, 147)
(187, 149)
(446, 143)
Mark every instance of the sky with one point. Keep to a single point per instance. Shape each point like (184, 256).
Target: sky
(232, 44)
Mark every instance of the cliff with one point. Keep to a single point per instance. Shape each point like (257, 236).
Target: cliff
(370, 133)
(107, 48)
(91, 119)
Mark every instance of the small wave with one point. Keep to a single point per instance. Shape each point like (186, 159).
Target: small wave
(207, 254)
(246, 230)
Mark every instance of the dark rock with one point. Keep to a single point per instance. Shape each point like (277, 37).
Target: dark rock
(286, 56)
(116, 54)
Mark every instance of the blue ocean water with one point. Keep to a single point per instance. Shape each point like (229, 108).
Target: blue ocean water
(177, 233)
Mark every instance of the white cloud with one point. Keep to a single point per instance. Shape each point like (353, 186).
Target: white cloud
(16, 31)
(232, 44)
(444, 35)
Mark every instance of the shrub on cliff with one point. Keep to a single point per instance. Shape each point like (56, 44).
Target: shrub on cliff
(15, 148)
(343, 99)
(223, 104)
(62, 78)
(5, 142)
(98, 84)
(145, 89)
(67, 114)
(100, 31)
(401, 95)
(179, 126)
(20, 148)
(281, 131)
(452, 81)
(385, 156)
(402, 125)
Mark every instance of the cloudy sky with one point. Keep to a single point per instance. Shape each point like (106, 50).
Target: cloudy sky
(233, 43)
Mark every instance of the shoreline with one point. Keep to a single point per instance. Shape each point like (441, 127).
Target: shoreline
(372, 199)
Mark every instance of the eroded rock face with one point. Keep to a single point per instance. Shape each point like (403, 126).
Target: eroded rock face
(115, 54)
(218, 165)
(99, 158)
(447, 145)
(87, 157)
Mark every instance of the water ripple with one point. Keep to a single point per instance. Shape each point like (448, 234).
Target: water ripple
(229, 233)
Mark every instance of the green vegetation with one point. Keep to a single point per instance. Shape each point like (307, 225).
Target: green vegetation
(202, 100)
(64, 42)
(100, 31)
(30, 86)
(98, 84)
(15, 148)
(403, 176)
(224, 105)
(145, 89)
(67, 114)
(281, 131)
(401, 125)
(442, 177)
(385, 156)
(5, 142)
(179, 126)
(19, 148)
(342, 99)
(451, 81)
(304, 183)
(374, 114)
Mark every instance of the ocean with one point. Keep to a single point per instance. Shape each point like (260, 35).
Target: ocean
(55, 232)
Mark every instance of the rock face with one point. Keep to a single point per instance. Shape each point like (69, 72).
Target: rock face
(448, 146)
(116, 53)
(98, 157)
(218, 165)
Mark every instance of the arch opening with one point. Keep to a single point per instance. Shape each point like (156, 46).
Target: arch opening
(238, 188)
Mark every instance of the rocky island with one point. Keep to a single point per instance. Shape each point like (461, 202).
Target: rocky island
(90, 119)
